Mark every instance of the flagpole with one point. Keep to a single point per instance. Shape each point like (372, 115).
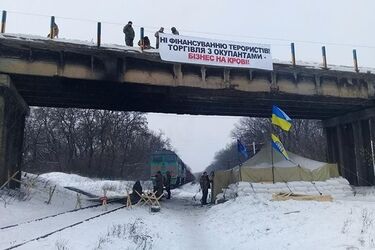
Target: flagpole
(281, 119)
(238, 155)
(241, 149)
(273, 169)
(239, 166)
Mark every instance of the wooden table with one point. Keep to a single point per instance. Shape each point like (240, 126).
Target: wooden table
(149, 198)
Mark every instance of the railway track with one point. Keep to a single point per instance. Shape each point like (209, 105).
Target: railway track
(49, 216)
(62, 221)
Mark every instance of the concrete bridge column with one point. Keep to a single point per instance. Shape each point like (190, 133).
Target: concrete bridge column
(349, 145)
(372, 139)
(346, 153)
(363, 155)
(355, 132)
(13, 110)
(331, 136)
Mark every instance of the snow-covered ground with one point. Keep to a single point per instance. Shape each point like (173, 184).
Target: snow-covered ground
(250, 220)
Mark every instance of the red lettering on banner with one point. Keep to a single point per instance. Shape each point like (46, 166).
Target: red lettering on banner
(201, 57)
(220, 59)
(235, 60)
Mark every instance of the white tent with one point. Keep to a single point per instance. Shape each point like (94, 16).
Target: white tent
(259, 169)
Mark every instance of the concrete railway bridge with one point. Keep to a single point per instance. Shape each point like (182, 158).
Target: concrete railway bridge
(58, 73)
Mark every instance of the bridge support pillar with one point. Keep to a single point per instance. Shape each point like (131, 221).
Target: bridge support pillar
(371, 169)
(13, 110)
(331, 135)
(362, 146)
(339, 146)
(349, 144)
(347, 157)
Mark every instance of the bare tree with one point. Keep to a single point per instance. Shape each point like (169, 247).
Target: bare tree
(305, 138)
(91, 142)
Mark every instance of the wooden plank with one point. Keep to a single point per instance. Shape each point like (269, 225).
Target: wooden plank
(9, 179)
(300, 197)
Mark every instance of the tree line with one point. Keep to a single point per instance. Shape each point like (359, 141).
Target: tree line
(305, 138)
(95, 143)
(114, 144)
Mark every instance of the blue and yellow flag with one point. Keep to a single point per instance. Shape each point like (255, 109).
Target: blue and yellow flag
(276, 144)
(242, 149)
(280, 119)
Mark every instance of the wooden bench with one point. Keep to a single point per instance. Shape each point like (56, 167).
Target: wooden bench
(149, 199)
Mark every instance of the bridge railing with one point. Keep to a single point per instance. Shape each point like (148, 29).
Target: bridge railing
(111, 33)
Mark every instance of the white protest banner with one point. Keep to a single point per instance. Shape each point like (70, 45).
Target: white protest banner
(195, 50)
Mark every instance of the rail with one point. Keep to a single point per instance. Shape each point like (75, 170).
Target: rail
(65, 227)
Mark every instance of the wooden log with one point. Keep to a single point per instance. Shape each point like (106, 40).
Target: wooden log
(51, 192)
(128, 200)
(78, 202)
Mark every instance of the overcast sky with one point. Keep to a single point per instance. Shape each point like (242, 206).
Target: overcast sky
(341, 25)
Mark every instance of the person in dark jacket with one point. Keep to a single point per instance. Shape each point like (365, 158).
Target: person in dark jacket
(167, 184)
(174, 31)
(159, 184)
(211, 178)
(204, 182)
(161, 30)
(134, 196)
(129, 34)
(146, 43)
(55, 30)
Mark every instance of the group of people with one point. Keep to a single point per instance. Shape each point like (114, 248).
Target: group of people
(145, 43)
(129, 35)
(161, 182)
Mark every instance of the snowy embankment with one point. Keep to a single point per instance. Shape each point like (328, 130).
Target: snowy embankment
(93, 186)
(31, 201)
(337, 187)
(248, 221)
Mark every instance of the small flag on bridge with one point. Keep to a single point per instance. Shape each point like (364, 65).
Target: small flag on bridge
(280, 118)
(242, 149)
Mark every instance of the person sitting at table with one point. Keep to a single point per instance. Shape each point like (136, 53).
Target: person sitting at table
(137, 188)
(145, 44)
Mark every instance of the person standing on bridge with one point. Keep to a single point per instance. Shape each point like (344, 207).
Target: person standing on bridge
(174, 31)
(161, 30)
(204, 182)
(129, 34)
(145, 44)
(55, 31)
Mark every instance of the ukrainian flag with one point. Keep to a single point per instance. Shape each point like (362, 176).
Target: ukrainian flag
(276, 144)
(280, 119)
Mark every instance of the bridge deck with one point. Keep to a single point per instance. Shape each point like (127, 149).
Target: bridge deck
(62, 73)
